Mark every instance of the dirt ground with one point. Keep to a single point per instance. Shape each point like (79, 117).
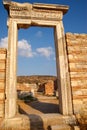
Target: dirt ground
(43, 105)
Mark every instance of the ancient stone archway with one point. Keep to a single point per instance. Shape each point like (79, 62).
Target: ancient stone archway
(24, 16)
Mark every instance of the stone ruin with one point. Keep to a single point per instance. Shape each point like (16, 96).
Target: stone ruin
(71, 63)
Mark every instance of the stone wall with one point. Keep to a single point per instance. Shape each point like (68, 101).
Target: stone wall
(77, 58)
(2, 80)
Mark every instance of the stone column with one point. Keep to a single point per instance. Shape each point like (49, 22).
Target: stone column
(11, 93)
(64, 104)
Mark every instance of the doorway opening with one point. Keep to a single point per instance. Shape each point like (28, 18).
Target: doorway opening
(36, 69)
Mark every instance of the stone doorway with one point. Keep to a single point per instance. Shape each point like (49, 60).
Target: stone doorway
(24, 16)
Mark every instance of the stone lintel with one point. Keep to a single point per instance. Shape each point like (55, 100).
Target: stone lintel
(39, 11)
(55, 7)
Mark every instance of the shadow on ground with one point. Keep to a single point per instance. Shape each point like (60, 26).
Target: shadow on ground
(44, 107)
(38, 122)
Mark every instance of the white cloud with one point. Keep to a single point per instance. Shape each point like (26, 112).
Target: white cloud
(39, 34)
(45, 51)
(3, 42)
(24, 49)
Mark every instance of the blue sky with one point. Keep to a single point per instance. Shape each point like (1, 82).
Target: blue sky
(36, 51)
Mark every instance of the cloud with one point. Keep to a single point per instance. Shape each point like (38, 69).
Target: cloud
(45, 51)
(39, 34)
(24, 49)
(3, 42)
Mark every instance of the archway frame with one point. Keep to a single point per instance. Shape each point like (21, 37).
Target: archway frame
(24, 16)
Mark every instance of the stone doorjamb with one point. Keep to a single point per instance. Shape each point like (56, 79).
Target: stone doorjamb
(49, 19)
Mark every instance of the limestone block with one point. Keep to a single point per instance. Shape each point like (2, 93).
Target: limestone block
(77, 108)
(1, 107)
(20, 122)
(76, 128)
(2, 56)
(76, 88)
(61, 127)
(76, 101)
(2, 65)
(2, 85)
(76, 57)
(3, 51)
(85, 103)
(78, 65)
(70, 36)
(76, 36)
(76, 74)
(49, 88)
(23, 87)
(1, 110)
(84, 91)
(2, 75)
(2, 95)
(78, 92)
(1, 114)
(81, 36)
(79, 83)
(77, 52)
(79, 97)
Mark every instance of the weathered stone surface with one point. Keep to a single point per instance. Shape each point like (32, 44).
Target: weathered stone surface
(49, 88)
(24, 16)
(2, 95)
(23, 87)
(2, 56)
(2, 65)
(2, 107)
(77, 50)
(61, 127)
(36, 11)
(20, 122)
(76, 128)
(3, 53)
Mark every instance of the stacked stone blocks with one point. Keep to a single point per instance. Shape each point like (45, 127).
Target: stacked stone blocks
(77, 58)
(2, 80)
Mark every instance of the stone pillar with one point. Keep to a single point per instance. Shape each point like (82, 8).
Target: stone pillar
(62, 72)
(11, 94)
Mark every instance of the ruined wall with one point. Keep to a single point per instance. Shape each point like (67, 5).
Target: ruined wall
(77, 58)
(2, 80)
(49, 88)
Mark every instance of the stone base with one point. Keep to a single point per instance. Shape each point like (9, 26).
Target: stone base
(20, 122)
(60, 127)
(39, 122)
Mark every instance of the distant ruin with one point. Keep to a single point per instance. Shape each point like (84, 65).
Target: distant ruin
(71, 62)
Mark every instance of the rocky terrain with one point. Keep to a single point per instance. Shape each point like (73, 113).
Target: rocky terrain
(35, 79)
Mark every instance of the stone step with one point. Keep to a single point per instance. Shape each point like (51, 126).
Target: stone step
(50, 122)
(60, 127)
(47, 97)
